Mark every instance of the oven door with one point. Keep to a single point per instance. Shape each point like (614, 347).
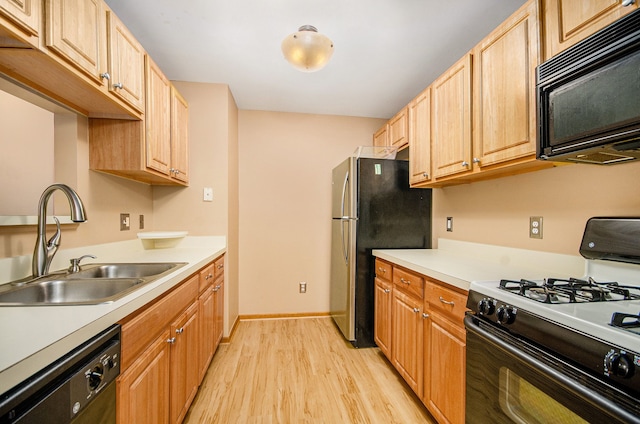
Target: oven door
(511, 381)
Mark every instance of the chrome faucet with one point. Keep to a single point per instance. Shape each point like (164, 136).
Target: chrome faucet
(45, 250)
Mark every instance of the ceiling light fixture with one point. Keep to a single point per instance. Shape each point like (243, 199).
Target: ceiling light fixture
(307, 50)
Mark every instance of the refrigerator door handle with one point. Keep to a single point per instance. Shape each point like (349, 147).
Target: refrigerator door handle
(345, 252)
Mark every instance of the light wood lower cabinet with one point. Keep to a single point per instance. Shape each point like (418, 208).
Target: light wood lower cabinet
(406, 351)
(143, 390)
(184, 378)
(161, 352)
(427, 337)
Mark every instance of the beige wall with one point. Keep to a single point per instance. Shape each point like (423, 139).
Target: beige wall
(497, 211)
(285, 205)
(213, 162)
(104, 196)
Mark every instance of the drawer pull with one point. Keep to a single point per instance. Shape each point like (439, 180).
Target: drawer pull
(172, 340)
(447, 302)
(220, 266)
(416, 310)
(425, 315)
(180, 330)
(402, 280)
(382, 270)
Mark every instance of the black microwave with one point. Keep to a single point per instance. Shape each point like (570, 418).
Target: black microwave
(588, 98)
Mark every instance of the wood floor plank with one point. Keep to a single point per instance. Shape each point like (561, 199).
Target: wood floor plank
(301, 371)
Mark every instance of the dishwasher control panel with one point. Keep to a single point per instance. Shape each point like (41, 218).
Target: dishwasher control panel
(95, 375)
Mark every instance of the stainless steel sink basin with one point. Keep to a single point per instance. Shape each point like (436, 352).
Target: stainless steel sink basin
(123, 270)
(94, 284)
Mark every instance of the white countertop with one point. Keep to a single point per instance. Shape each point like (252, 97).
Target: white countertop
(459, 263)
(34, 336)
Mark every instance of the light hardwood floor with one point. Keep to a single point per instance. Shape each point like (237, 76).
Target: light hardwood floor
(301, 371)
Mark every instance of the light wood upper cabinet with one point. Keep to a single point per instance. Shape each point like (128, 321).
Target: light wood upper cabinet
(20, 18)
(158, 119)
(398, 129)
(504, 96)
(420, 138)
(381, 137)
(126, 63)
(451, 125)
(76, 31)
(179, 137)
(568, 21)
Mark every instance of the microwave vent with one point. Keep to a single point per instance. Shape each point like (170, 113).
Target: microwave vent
(600, 158)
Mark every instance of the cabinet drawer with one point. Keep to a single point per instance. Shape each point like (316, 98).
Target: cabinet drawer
(142, 328)
(446, 300)
(407, 281)
(383, 270)
(219, 267)
(206, 277)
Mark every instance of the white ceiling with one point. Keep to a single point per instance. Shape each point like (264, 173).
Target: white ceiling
(386, 51)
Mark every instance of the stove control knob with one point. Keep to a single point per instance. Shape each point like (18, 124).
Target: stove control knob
(618, 363)
(506, 314)
(95, 377)
(486, 306)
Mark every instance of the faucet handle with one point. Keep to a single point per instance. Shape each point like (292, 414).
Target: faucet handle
(54, 241)
(75, 263)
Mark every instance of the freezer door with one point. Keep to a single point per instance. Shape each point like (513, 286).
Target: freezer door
(342, 300)
(342, 190)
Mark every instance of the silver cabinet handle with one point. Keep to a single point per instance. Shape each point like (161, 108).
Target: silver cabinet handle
(180, 330)
(172, 340)
(382, 270)
(402, 280)
(118, 85)
(424, 174)
(105, 75)
(416, 310)
(626, 3)
(447, 302)
(425, 315)
(476, 160)
(220, 266)
(387, 291)
(465, 163)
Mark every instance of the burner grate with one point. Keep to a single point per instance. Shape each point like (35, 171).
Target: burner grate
(572, 290)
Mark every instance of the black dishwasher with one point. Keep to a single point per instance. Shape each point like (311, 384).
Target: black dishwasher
(77, 388)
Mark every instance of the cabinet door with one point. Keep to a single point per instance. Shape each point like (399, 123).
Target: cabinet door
(126, 63)
(157, 120)
(179, 137)
(206, 316)
(24, 15)
(219, 313)
(380, 138)
(420, 138)
(382, 316)
(504, 90)
(451, 142)
(444, 387)
(143, 390)
(76, 31)
(398, 129)
(406, 353)
(184, 370)
(568, 21)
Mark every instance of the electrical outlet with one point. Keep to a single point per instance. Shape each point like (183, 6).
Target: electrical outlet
(450, 223)
(535, 227)
(142, 222)
(303, 287)
(125, 222)
(207, 194)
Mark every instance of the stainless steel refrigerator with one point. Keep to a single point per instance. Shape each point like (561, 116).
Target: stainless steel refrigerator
(372, 208)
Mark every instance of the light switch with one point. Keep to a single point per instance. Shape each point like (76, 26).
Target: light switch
(207, 194)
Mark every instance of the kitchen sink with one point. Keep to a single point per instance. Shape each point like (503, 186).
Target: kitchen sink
(94, 284)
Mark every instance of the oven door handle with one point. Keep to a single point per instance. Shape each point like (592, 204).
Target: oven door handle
(510, 344)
